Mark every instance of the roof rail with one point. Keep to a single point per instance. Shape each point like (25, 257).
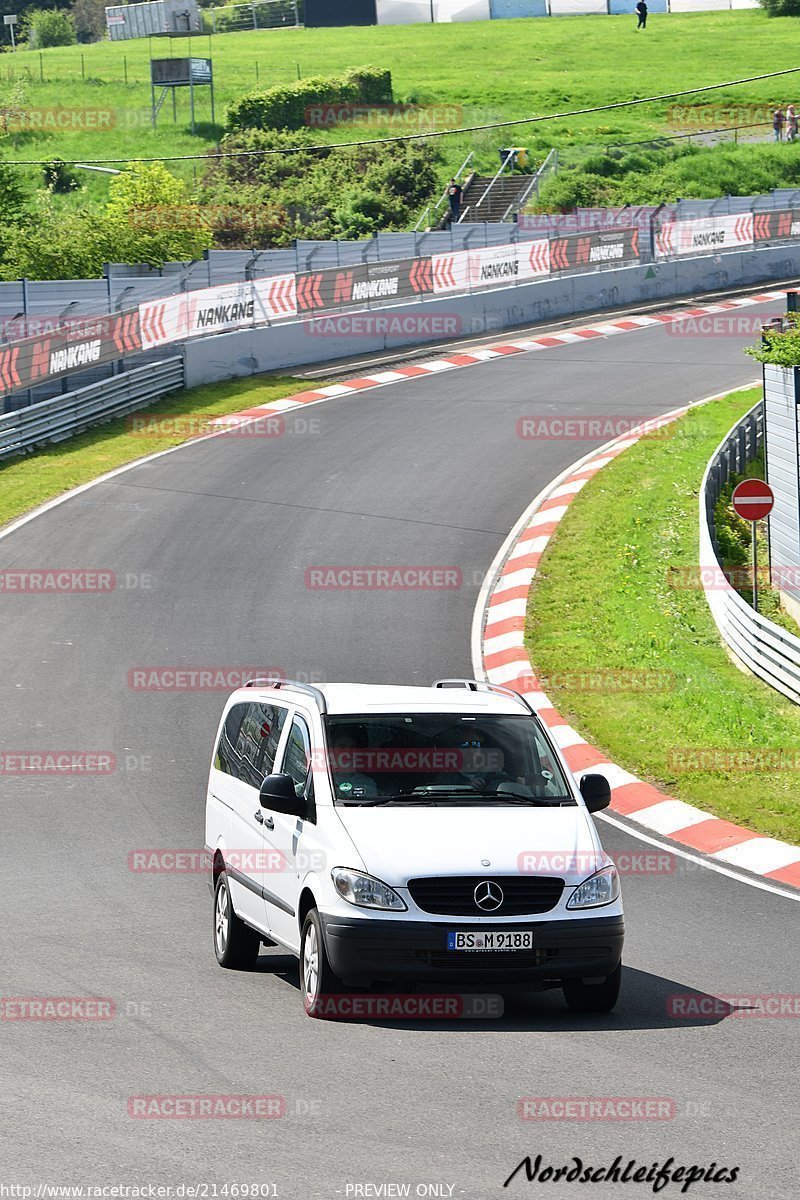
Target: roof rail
(483, 685)
(294, 686)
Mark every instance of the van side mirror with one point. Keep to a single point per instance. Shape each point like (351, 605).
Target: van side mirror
(596, 792)
(278, 794)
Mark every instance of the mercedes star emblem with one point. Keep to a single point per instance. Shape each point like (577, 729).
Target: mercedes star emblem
(488, 896)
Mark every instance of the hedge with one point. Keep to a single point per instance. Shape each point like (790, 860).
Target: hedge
(284, 106)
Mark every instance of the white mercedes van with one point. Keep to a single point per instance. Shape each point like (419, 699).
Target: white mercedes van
(409, 836)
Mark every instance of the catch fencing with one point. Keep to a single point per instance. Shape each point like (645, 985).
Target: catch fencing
(59, 329)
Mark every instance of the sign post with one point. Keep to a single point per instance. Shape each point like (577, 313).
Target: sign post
(752, 500)
(11, 21)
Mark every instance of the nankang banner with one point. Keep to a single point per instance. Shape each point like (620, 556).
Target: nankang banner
(705, 235)
(213, 310)
(776, 224)
(594, 249)
(366, 283)
(77, 346)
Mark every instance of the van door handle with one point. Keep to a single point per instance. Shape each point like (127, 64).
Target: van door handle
(259, 816)
(269, 823)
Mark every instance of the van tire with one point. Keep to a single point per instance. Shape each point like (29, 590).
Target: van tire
(316, 974)
(593, 997)
(235, 944)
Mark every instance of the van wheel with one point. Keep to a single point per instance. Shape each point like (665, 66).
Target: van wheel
(593, 997)
(235, 944)
(317, 980)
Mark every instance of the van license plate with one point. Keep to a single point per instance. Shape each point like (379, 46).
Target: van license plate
(505, 939)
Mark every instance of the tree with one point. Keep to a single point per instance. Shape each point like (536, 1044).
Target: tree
(90, 20)
(48, 27)
(137, 225)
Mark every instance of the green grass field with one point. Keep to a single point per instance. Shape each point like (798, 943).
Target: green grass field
(495, 70)
(605, 599)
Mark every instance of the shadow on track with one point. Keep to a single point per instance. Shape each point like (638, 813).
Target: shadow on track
(646, 1002)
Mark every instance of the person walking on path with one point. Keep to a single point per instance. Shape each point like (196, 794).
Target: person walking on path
(454, 193)
(641, 9)
(777, 124)
(791, 124)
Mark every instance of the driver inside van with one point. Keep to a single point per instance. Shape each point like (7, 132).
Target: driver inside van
(483, 765)
(350, 783)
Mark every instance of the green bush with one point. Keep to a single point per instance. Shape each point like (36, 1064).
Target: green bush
(351, 192)
(781, 347)
(781, 8)
(49, 27)
(286, 105)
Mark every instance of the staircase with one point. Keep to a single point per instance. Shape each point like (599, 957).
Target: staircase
(508, 192)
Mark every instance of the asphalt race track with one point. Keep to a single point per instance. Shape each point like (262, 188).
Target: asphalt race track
(216, 539)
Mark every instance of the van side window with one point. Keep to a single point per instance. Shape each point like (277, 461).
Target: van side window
(258, 741)
(226, 758)
(297, 758)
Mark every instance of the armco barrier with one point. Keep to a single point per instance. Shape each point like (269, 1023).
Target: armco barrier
(63, 416)
(769, 651)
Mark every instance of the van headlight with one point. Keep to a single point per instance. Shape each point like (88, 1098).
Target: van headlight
(364, 890)
(601, 888)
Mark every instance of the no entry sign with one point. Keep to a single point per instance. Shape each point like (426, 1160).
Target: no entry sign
(753, 499)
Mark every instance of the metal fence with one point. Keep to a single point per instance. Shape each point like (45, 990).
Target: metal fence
(63, 416)
(262, 14)
(769, 651)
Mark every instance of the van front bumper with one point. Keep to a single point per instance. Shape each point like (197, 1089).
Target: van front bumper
(365, 951)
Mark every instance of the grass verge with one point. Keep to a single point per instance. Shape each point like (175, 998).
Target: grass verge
(547, 66)
(608, 598)
(26, 483)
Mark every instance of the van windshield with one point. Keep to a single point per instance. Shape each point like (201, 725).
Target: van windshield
(443, 758)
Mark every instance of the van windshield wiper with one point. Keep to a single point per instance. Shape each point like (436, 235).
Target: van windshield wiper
(442, 793)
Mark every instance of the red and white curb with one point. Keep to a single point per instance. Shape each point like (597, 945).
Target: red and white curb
(499, 647)
(522, 346)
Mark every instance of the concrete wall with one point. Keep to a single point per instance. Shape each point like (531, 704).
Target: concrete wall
(299, 343)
